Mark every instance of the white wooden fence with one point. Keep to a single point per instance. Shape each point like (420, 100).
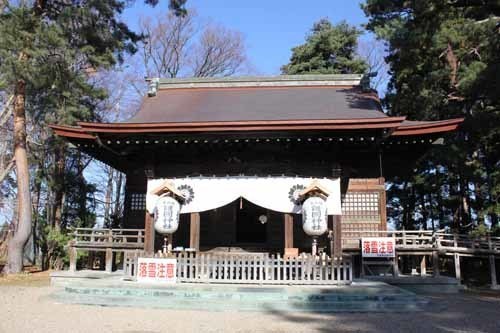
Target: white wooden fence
(261, 268)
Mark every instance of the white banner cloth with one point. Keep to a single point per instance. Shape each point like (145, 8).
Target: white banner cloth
(274, 193)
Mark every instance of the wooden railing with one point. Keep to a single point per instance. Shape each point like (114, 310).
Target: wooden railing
(119, 238)
(430, 240)
(262, 268)
(467, 244)
(108, 240)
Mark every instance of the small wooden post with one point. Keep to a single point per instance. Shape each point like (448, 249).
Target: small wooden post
(363, 266)
(493, 270)
(170, 240)
(149, 234)
(435, 263)
(288, 219)
(395, 264)
(457, 267)
(194, 231)
(423, 266)
(72, 258)
(109, 260)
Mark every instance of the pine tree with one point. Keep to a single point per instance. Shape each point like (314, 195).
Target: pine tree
(48, 51)
(443, 56)
(329, 49)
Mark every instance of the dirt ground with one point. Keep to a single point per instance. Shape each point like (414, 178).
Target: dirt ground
(24, 307)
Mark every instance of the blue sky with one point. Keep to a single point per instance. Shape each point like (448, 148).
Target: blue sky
(271, 28)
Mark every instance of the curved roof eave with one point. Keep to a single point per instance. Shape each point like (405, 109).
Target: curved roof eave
(427, 127)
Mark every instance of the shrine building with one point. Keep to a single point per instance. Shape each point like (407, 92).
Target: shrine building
(242, 155)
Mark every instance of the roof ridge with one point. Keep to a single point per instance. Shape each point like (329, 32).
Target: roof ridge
(156, 84)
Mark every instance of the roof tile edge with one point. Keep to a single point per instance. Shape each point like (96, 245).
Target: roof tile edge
(260, 81)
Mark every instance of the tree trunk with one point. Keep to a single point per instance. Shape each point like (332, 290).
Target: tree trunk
(36, 208)
(59, 179)
(118, 199)
(23, 229)
(108, 198)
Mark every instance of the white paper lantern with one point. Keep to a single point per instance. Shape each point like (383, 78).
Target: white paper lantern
(314, 216)
(166, 215)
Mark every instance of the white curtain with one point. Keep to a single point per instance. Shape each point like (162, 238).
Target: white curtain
(274, 193)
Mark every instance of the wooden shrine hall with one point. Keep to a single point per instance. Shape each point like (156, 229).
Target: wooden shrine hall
(242, 152)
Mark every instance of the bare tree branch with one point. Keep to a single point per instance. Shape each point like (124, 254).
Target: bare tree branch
(220, 52)
(176, 46)
(167, 40)
(5, 172)
(373, 52)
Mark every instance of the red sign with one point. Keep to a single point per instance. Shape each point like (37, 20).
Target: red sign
(376, 247)
(157, 270)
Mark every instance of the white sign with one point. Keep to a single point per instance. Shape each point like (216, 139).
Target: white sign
(160, 270)
(377, 247)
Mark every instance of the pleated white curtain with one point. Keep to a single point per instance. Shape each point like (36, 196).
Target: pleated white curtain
(274, 193)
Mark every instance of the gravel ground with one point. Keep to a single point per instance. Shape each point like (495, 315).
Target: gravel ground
(25, 309)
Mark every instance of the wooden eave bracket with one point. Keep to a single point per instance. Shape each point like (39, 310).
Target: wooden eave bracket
(315, 188)
(167, 187)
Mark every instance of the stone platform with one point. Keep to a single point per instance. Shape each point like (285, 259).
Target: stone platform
(423, 284)
(104, 289)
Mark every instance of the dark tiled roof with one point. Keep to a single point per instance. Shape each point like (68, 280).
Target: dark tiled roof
(258, 103)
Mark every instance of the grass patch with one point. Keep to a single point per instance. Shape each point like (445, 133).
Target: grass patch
(31, 277)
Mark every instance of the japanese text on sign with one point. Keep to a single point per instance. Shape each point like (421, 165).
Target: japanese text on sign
(157, 270)
(376, 247)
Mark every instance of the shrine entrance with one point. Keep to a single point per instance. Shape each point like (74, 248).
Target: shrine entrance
(251, 223)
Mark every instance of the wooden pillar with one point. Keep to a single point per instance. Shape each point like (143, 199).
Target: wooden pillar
(382, 205)
(423, 266)
(458, 275)
(194, 231)
(493, 273)
(109, 260)
(337, 236)
(149, 234)
(435, 263)
(288, 220)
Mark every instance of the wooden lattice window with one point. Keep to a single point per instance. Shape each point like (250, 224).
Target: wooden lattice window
(361, 206)
(138, 201)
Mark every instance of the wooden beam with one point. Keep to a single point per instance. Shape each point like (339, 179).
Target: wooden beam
(149, 234)
(337, 236)
(194, 231)
(288, 219)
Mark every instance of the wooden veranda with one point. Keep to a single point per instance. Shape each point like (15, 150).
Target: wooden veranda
(267, 268)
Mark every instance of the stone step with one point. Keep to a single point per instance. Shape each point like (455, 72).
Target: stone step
(310, 296)
(370, 297)
(240, 305)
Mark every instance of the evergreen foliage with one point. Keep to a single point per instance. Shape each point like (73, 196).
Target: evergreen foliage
(444, 60)
(329, 49)
(54, 49)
